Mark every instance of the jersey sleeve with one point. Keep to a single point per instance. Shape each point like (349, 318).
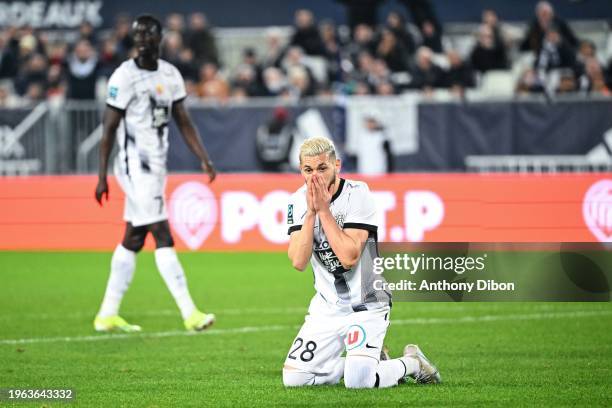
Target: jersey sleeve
(120, 90)
(179, 91)
(362, 213)
(296, 210)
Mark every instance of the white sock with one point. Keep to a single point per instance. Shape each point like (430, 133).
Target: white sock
(123, 264)
(391, 371)
(171, 270)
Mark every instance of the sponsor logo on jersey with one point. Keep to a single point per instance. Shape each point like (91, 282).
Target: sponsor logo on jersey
(355, 337)
(328, 258)
(597, 210)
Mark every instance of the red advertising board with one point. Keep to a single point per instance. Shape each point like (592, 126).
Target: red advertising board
(246, 212)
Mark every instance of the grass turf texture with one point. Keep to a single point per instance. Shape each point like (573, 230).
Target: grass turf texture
(549, 354)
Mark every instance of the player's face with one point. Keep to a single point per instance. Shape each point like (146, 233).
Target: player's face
(146, 38)
(321, 165)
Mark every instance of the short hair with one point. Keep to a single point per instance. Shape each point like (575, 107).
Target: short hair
(315, 146)
(148, 19)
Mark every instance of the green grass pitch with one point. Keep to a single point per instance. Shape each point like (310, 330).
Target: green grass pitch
(489, 354)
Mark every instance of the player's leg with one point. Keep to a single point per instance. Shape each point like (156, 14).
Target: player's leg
(172, 272)
(123, 264)
(364, 343)
(314, 356)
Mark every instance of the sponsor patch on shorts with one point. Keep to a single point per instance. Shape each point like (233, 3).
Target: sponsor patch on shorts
(355, 337)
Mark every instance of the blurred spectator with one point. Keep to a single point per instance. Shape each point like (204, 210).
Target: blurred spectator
(432, 37)
(56, 88)
(529, 83)
(378, 73)
(488, 54)
(275, 82)
(35, 93)
(300, 83)
(212, 85)
(426, 20)
(361, 12)
(249, 57)
(567, 82)
(385, 88)
(173, 51)
(123, 35)
(175, 23)
(57, 53)
(274, 47)
(7, 98)
(392, 52)
(295, 58)
(306, 35)
(593, 80)
(109, 57)
(87, 32)
(245, 78)
(397, 24)
(9, 54)
(426, 75)
(460, 74)
(586, 51)
(34, 72)
(360, 89)
(82, 71)
(544, 21)
(332, 49)
(201, 41)
(363, 40)
(554, 53)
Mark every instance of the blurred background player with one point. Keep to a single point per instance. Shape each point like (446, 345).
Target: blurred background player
(142, 93)
(332, 224)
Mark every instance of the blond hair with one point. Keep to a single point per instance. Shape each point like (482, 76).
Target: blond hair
(315, 146)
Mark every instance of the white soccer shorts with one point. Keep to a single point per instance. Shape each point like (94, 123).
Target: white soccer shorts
(145, 201)
(326, 334)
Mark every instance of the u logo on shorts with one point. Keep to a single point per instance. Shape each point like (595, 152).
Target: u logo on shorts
(355, 337)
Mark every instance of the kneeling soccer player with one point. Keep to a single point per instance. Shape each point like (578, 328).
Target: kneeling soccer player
(332, 223)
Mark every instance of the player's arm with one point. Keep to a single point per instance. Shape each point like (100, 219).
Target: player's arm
(346, 244)
(112, 118)
(300, 241)
(192, 138)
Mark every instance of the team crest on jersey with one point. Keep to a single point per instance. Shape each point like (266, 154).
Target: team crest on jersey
(159, 89)
(355, 337)
(113, 91)
(290, 214)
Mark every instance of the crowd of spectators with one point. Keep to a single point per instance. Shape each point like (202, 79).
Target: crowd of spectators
(319, 59)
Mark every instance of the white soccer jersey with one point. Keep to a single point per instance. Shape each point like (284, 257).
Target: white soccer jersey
(146, 97)
(352, 206)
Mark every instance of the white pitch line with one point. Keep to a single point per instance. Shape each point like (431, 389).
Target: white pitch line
(163, 312)
(255, 329)
(250, 311)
